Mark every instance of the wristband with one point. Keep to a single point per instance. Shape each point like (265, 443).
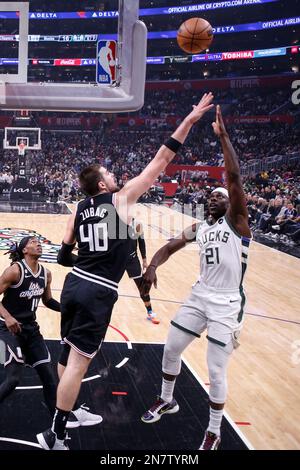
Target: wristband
(173, 144)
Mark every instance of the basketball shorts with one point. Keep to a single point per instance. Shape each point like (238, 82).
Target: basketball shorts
(134, 268)
(220, 312)
(86, 309)
(27, 347)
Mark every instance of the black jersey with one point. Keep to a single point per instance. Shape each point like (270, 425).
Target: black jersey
(103, 241)
(21, 300)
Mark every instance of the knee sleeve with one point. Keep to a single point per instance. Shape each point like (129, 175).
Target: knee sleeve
(177, 342)
(217, 361)
(65, 351)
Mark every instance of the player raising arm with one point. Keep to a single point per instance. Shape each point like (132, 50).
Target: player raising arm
(100, 227)
(217, 300)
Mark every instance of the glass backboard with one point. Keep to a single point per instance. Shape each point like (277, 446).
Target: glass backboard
(14, 136)
(14, 18)
(92, 60)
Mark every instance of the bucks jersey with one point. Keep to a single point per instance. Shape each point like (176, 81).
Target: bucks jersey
(223, 255)
(103, 241)
(21, 300)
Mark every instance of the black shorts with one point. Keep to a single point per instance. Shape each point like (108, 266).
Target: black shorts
(134, 268)
(27, 347)
(86, 309)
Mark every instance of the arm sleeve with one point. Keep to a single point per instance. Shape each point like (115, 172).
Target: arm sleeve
(65, 256)
(142, 246)
(53, 305)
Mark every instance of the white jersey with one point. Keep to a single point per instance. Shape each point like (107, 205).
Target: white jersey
(223, 255)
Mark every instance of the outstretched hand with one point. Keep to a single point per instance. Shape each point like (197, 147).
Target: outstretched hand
(218, 125)
(149, 278)
(204, 105)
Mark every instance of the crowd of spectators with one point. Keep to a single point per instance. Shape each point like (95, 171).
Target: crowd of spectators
(56, 166)
(273, 201)
(127, 149)
(252, 140)
(240, 102)
(273, 197)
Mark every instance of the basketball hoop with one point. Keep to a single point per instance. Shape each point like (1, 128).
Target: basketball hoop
(21, 148)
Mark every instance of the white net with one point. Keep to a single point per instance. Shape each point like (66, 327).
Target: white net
(21, 148)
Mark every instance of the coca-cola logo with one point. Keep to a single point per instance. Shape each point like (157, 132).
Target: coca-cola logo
(67, 61)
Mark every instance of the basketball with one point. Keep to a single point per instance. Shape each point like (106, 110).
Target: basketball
(194, 35)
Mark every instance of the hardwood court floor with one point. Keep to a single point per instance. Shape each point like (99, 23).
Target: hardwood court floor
(263, 373)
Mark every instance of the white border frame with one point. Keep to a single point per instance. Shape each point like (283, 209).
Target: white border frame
(128, 97)
(23, 8)
(15, 147)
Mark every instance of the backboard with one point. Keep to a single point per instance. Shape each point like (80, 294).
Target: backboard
(21, 24)
(14, 136)
(74, 45)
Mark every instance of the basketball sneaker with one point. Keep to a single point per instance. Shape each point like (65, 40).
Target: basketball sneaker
(151, 316)
(159, 408)
(210, 442)
(82, 417)
(49, 441)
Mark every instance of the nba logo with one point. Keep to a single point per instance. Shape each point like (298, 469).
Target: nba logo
(106, 62)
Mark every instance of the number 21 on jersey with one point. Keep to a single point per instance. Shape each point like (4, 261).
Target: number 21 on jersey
(212, 255)
(96, 236)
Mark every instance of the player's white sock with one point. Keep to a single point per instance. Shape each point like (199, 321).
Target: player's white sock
(167, 390)
(215, 419)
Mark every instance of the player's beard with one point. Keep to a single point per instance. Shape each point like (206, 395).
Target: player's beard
(115, 190)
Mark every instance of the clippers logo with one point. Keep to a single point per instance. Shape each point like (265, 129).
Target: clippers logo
(13, 235)
(106, 62)
(34, 291)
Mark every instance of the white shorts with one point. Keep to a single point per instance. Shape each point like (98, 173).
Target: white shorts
(220, 312)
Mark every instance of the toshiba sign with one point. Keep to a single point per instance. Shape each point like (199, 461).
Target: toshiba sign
(237, 55)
